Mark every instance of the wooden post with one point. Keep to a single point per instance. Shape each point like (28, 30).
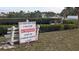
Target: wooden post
(37, 33)
(12, 35)
(27, 20)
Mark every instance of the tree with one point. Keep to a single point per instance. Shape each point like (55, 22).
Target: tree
(11, 15)
(77, 11)
(20, 14)
(35, 14)
(49, 14)
(68, 11)
(64, 13)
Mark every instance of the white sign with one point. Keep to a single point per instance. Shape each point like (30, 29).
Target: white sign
(27, 31)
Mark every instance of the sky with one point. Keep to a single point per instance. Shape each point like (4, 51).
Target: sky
(31, 9)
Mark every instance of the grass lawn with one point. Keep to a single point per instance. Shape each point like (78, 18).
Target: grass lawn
(67, 40)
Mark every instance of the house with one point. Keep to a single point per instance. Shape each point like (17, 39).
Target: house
(72, 17)
(53, 22)
(44, 15)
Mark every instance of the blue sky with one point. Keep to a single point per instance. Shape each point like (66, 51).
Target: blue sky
(42, 9)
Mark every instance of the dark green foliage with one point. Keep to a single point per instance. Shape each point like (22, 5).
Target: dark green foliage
(38, 20)
(68, 11)
(69, 21)
(47, 27)
(44, 20)
(23, 14)
(43, 27)
(3, 29)
(70, 26)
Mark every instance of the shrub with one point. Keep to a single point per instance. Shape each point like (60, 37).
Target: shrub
(3, 29)
(43, 27)
(69, 21)
(44, 20)
(70, 26)
(47, 27)
(38, 20)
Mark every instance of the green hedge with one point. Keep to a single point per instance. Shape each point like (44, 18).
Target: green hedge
(34, 19)
(43, 27)
(38, 20)
(44, 20)
(70, 26)
(47, 27)
(3, 29)
(69, 21)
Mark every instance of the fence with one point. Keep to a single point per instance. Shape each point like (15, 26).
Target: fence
(13, 34)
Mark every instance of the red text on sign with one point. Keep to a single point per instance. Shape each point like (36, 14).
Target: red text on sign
(27, 30)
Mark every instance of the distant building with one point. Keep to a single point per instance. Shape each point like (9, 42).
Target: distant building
(2, 14)
(56, 16)
(72, 17)
(44, 15)
(47, 14)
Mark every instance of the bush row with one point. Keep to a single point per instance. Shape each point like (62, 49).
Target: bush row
(34, 19)
(69, 21)
(45, 20)
(43, 27)
(48, 28)
(3, 29)
(38, 20)
(70, 26)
